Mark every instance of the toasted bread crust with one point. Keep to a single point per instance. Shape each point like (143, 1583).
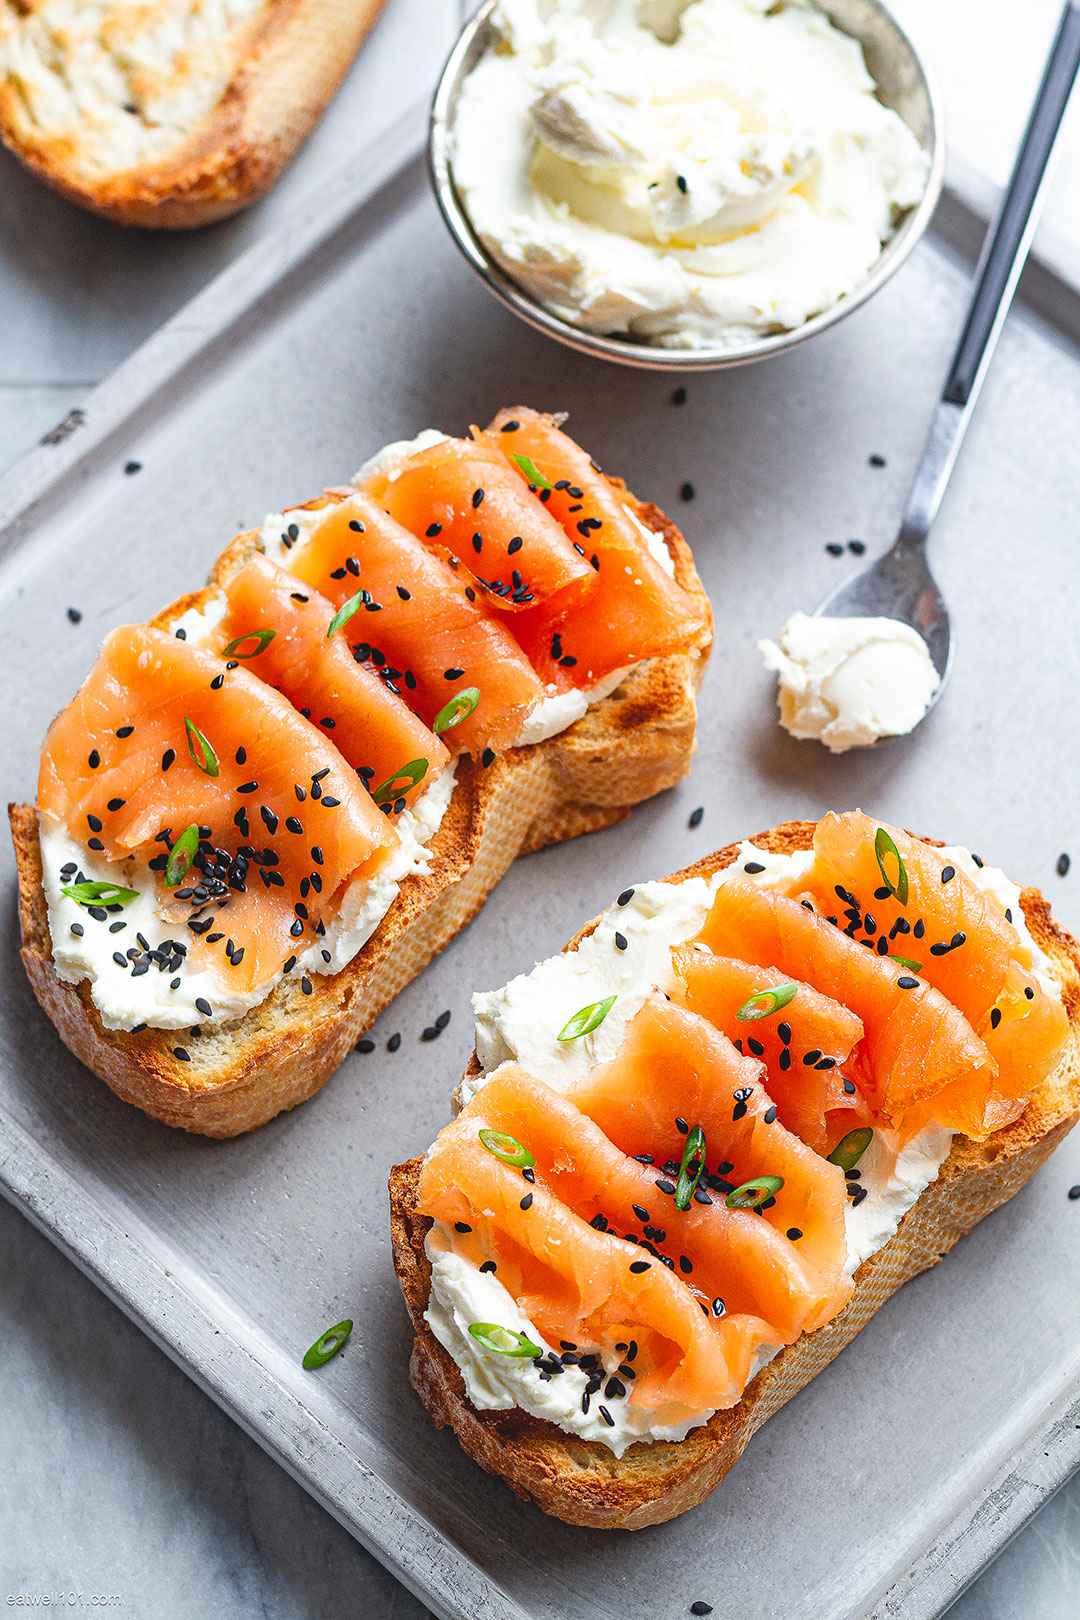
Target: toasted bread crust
(289, 59)
(635, 743)
(581, 1481)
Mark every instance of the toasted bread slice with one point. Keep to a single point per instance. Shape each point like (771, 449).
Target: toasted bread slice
(633, 744)
(581, 1481)
(169, 114)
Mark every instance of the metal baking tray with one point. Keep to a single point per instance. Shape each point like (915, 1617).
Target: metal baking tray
(904, 1467)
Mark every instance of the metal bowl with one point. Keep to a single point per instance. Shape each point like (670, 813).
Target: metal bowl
(903, 83)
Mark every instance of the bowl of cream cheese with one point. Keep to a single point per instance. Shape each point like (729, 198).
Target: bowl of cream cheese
(682, 184)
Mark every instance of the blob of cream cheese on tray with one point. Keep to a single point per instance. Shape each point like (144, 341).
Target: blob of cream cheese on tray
(850, 682)
(689, 175)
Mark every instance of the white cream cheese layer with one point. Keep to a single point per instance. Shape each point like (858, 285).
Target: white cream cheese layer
(850, 682)
(125, 1002)
(520, 1023)
(691, 175)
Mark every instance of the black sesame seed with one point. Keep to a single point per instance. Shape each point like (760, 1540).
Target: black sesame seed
(1074, 1193)
(132, 467)
(526, 1202)
(640, 1211)
(666, 1187)
(620, 941)
(184, 1057)
(305, 982)
(680, 181)
(365, 1046)
(995, 1017)
(770, 1114)
(948, 873)
(1063, 864)
(93, 759)
(453, 674)
(640, 1265)
(74, 615)
(834, 548)
(625, 898)
(699, 1606)
(696, 815)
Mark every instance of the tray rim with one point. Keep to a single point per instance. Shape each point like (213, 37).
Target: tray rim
(137, 1281)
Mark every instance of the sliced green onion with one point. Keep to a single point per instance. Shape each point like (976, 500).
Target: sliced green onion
(905, 961)
(410, 774)
(199, 749)
(502, 1341)
(327, 1345)
(508, 1149)
(346, 612)
(850, 1149)
(752, 1194)
(765, 1002)
(694, 1151)
(529, 469)
(99, 894)
(262, 639)
(181, 856)
(586, 1019)
(459, 708)
(884, 845)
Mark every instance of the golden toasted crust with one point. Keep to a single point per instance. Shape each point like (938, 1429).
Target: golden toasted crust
(635, 743)
(284, 63)
(580, 1480)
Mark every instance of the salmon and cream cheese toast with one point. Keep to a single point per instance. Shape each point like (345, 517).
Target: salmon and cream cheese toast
(682, 1138)
(240, 789)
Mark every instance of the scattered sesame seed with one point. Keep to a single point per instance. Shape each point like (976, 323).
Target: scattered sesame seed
(696, 816)
(620, 941)
(686, 492)
(625, 898)
(834, 548)
(365, 1046)
(184, 1057)
(700, 1607)
(74, 615)
(526, 1202)
(1074, 1193)
(442, 1020)
(679, 397)
(640, 1265)
(393, 1043)
(876, 460)
(1063, 864)
(131, 467)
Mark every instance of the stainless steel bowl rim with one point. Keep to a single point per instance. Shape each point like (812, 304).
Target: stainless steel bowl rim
(645, 356)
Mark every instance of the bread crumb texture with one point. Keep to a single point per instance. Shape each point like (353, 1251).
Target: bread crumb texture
(114, 85)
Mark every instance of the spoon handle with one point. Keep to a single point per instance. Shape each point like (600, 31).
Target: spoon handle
(1008, 240)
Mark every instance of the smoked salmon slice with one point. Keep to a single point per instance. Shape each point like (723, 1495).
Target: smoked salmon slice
(638, 610)
(161, 737)
(915, 1042)
(675, 1069)
(465, 497)
(804, 1042)
(576, 1281)
(423, 628)
(280, 634)
(963, 941)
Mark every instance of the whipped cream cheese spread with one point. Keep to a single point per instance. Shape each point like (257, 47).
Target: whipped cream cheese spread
(689, 175)
(520, 1023)
(850, 682)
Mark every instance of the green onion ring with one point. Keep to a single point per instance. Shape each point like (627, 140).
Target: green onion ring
(459, 708)
(688, 1179)
(884, 845)
(346, 612)
(181, 856)
(508, 1149)
(763, 1003)
(327, 1345)
(99, 894)
(410, 774)
(752, 1194)
(208, 763)
(262, 637)
(586, 1019)
(850, 1149)
(529, 468)
(502, 1341)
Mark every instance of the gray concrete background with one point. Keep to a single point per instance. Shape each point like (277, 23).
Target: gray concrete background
(120, 1480)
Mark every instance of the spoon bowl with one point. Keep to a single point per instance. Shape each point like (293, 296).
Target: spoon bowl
(899, 585)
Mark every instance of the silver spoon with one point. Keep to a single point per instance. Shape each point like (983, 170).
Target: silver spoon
(899, 585)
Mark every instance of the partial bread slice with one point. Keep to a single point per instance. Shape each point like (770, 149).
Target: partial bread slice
(160, 115)
(581, 1481)
(633, 744)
